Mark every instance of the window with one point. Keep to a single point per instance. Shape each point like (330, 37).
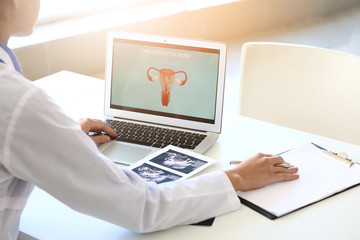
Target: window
(66, 18)
(57, 10)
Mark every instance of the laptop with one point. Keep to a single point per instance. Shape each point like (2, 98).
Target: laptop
(162, 85)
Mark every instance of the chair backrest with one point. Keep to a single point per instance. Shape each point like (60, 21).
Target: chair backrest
(302, 87)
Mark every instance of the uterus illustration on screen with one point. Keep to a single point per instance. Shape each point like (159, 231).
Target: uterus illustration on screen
(167, 77)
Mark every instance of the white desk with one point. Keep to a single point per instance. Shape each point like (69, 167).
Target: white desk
(335, 218)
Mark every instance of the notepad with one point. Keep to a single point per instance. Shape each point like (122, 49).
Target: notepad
(320, 178)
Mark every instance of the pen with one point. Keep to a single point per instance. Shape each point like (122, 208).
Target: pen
(284, 165)
(234, 162)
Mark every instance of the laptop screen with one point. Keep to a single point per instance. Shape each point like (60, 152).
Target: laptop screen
(168, 81)
(165, 79)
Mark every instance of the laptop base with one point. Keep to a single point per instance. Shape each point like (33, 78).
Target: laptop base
(125, 153)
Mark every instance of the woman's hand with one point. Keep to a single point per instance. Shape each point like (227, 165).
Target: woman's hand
(260, 170)
(92, 125)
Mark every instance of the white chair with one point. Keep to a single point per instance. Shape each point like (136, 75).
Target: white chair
(302, 87)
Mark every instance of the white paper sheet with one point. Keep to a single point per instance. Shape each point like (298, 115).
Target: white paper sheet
(170, 164)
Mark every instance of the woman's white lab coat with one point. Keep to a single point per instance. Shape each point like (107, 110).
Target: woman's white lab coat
(40, 145)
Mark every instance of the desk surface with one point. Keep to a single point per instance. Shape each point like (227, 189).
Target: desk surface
(335, 218)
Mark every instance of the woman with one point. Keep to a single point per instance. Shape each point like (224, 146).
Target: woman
(40, 145)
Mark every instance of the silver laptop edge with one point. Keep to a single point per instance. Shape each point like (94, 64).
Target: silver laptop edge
(212, 130)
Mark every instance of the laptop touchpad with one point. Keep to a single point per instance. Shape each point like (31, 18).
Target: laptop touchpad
(126, 153)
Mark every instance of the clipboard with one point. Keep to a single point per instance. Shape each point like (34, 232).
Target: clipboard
(282, 198)
(272, 216)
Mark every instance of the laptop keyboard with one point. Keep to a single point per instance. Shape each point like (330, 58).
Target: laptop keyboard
(154, 136)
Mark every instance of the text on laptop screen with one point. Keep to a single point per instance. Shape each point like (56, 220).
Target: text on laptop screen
(164, 79)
